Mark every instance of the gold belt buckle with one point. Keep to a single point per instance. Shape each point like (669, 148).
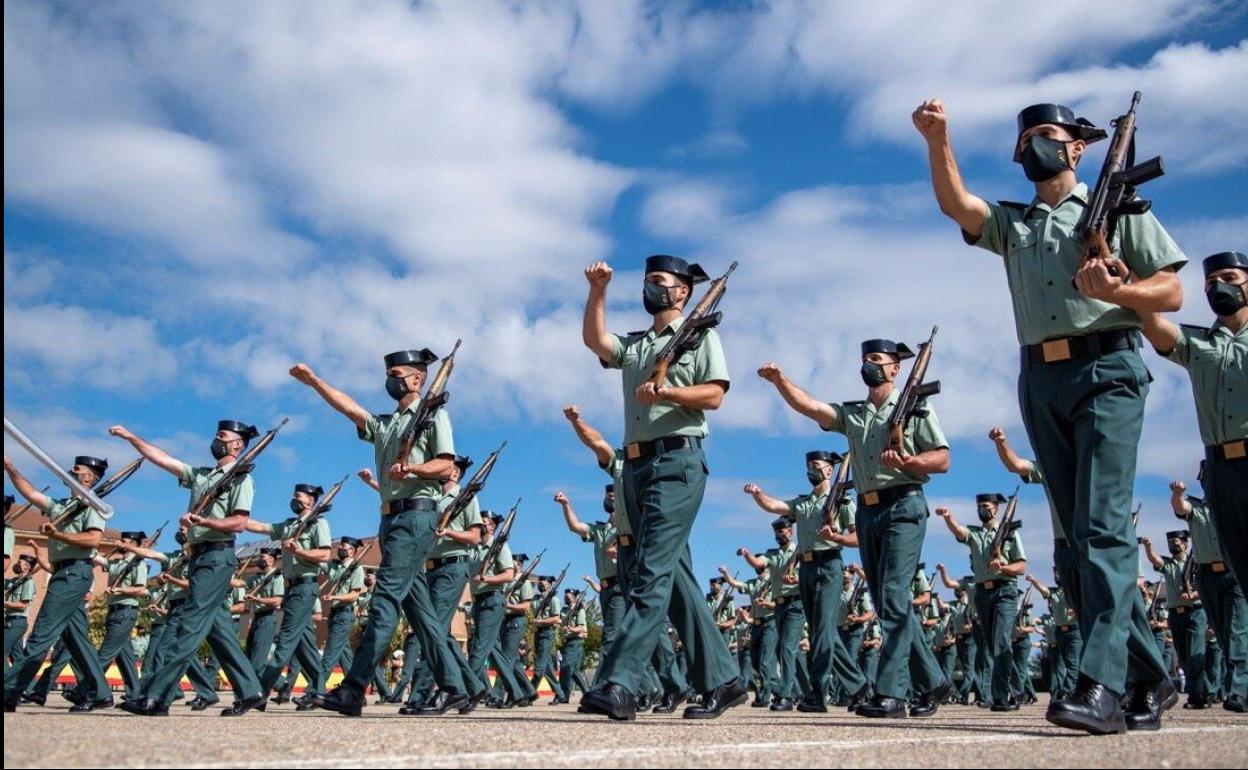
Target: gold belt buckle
(871, 498)
(428, 565)
(1218, 566)
(1056, 350)
(626, 541)
(1235, 450)
(808, 556)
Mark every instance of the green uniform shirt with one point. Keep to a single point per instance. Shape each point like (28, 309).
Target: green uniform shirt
(176, 563)
(1059, 608)
(1172, 570)
(920, 585)
(1205, 543)
(806, 512)
(469, 517)
(315, 536)
(353, 582)
(10, 540)
(1217, 362)
(615, 469)
(861, 606)
(959, 616)
(1042, 254)
(553, 608)
(86, 520)
(602, 534)
(138, 644)
(778, 563)
(20, 589)
(979, 540)
(634, 355)
(276, 587)
(501, 564)
(137, 577)
(237, 595)
(867, 430)
(873, 632)
(759, 588)
(237, 498)
(578, 620)
(386, 430)
(519, 594)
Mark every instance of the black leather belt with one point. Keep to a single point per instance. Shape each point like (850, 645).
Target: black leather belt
(610, 582)
(301, 580)
(58, 565)
(787, 600)
(263, 614)
(426, 504)
(198, 549)
(889, 496)
(1065, 629)
(1061, 542)
(1231, 450)
(989, 585)
(643, 450)
(1188, 608)
(820, 556)
(438, 563)
(1092, 345)
(342, 608)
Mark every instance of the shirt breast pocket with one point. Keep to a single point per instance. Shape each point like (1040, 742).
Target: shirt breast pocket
(1020, 250)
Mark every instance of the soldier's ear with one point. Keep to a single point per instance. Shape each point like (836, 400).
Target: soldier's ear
(1077, 148)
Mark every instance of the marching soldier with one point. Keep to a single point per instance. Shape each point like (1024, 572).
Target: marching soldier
(304, 550)
(123, 609)
(1067, 643)
(787, 606)
(212, 563)
(575, 627)
(519, 599)
(410, 488)
(546, 620)
(762, 632)
(891, 517)
(71, 549)
(855, 611)
(1219, 593)
(489, 608)
(996, 569)
(602, 534)
(343, 586)
(964, 643)
(265, 592)
(1187, 614)
(1216, 358)
(820, 578)
(664, 480)
(869, 654)
(19, 591)
(1024, 689)
(1082, 386)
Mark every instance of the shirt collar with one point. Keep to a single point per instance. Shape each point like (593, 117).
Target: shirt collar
(1079, 192)
(672, 327)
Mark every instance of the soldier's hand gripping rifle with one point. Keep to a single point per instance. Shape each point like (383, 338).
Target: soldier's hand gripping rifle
(1115, 192)
(468, 492)
(1154, 603)
(265, 579)
(501, 536)
(524, 575)
(1007, 527)
(77, 505)
(549, 593)
(725, 600)
(308, 519)
(913, 399)
(436, 396)
(837, 494)
(245, 464)
(348, 567)
(133, 560)
(1023, 607)
(860, 585)
(693, 330)
(570, 620)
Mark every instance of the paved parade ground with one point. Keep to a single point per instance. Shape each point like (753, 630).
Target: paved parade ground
(544, 736)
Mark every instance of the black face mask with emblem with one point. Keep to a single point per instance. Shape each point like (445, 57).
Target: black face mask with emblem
(873, 375)
(1044, 158)
(1226, 299)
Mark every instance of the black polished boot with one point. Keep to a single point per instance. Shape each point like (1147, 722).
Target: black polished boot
(1148, 703)
(613, 700)
(882, 707)
(719, 700)
(1092, 708)
(342, 699)
(671, 700)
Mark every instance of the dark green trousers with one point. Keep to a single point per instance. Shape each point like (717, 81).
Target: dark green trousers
(544, 661)
(1226, 491)
(890, 539)
(446, 587)
(1228, 615)
(61, 616)
(1084, 418)
(14, 630)
(663, 663)
(869, 662)
(52, 672)
(416, 672)
(997, 610)
(790, 618)
(947, 657)
(204, 617)
(763, 639)
(1069, 651)
(337, 639)
(485, 648)
(515, 627)
(612, 603)
(116, 646)
(1215, 670)
(1189, 630)
(260, 636)
(966, 661)
(570, 666)
(297, 607)
(1022, 683)
(663, 495)
(820, 584)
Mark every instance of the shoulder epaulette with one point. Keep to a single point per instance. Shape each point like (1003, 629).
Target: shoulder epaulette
(1204, 331)
(1014, 205)
(1195, 500)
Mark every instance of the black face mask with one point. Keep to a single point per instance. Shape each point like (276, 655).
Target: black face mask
(1176, 551)
(656, 298)
(608, 505)
(180, 538)
(873, 374)
(396, 387)
(984, 515)
(1044, 158)
(782, 541)
(814, 476)
(1226, 299)
(342, 554)
(219, 449)
(296, 507)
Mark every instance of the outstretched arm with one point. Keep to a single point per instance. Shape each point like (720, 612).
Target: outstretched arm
(1009, 458)
(589, 435)
(754, 561)
(1150, 554)
(154, 454)
(341, 402)
(594, 324)
(959, 531)
(1178, 502)
(968, 210)
(574, 524)
(799, 400)
(25, 488)
(766, 502)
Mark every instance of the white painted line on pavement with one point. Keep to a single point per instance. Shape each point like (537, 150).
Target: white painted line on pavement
(535, 758)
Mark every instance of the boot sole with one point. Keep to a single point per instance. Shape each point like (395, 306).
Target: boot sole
(1078, 722)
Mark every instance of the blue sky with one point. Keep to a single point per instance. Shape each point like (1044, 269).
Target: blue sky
(198, 197)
